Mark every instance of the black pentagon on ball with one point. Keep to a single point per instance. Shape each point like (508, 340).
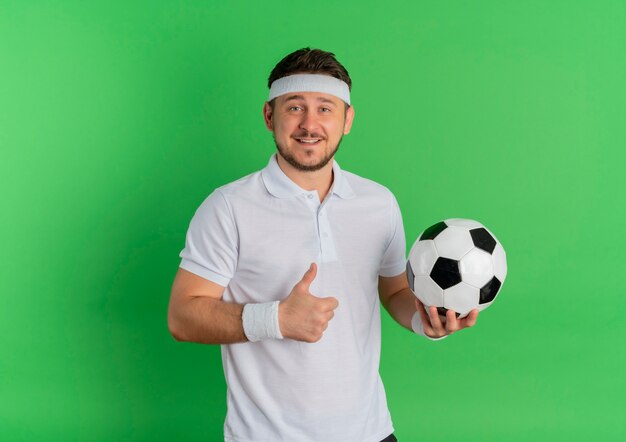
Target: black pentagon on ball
(446, 272)
(489, 291)
(410, 276)
(433, 231)
(483, 240)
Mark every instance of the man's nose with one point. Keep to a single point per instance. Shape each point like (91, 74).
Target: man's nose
(309, 121)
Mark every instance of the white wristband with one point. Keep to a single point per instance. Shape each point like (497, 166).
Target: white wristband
(418, 327)
(260, 321)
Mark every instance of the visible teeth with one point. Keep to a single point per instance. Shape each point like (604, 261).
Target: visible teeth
(308, 141)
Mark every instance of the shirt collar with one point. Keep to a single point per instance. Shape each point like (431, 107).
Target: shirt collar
(279, 184)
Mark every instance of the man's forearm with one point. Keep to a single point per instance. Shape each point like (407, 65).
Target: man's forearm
(207, 320)
(401, 307)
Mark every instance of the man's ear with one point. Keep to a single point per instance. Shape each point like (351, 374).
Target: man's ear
(349, 118)
(267, 116)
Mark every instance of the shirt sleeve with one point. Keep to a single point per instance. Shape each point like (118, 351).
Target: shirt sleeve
(211, 244)
(393, 261)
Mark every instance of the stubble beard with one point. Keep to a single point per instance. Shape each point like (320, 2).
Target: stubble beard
(291, 159)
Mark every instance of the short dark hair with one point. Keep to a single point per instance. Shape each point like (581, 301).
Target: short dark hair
(309, 61)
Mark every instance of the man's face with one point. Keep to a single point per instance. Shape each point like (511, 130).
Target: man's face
(308, 127)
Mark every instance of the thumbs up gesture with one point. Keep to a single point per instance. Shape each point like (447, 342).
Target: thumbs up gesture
(303, 316)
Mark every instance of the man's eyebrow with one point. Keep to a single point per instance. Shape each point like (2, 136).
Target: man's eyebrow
(300, 97)
(325, 100)
(294, 97)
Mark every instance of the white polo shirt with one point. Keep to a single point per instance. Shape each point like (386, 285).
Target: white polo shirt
(257, 236)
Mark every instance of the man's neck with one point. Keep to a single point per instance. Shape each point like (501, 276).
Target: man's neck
(319, 180)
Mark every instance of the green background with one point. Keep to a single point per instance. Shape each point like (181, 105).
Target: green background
(118, 118)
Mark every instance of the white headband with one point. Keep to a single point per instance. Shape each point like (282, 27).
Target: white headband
(310, 83)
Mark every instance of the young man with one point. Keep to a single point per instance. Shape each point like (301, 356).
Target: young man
(287, 267)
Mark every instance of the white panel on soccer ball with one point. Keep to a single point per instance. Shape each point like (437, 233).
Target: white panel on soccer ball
(423, 256)
(461, 298)
(469, 224)
(428, 291)
(454, 242)
(476, 267)
(499, 262)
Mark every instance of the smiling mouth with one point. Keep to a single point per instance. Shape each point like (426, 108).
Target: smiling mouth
(308, 141)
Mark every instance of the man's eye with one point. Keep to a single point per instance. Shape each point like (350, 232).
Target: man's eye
(294, 107)
(325, 109)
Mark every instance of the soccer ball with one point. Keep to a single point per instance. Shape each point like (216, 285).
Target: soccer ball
(456, 264)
